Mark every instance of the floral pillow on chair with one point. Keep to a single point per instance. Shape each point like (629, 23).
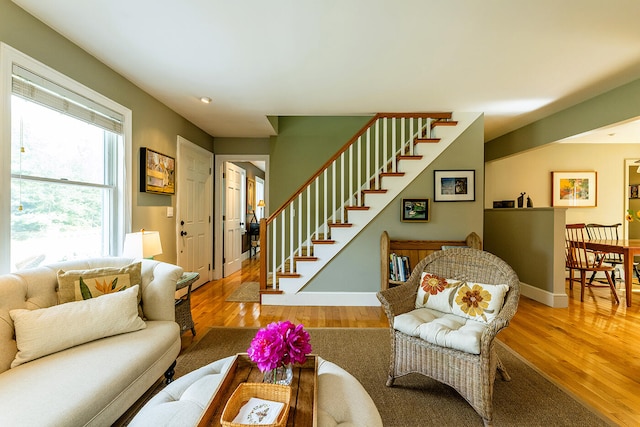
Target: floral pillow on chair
(476, 301)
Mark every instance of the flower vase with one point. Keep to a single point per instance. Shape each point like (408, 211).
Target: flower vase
(281, 375)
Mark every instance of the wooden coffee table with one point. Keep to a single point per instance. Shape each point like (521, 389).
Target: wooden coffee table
(304, 393)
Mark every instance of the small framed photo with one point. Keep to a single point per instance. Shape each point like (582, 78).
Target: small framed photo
(633, 191)
(157, 172)
(455, 186)
(416, 210)
(574, 189)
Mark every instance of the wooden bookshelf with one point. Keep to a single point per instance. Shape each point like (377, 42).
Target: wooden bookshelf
(415, 250)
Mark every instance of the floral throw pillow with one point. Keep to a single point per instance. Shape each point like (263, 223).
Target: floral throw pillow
(434, 292)
(476, 301)
(78, 285)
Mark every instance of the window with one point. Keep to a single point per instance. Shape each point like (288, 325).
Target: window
(66, 195)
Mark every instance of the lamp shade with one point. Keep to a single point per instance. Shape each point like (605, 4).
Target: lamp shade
(143, 244)
(261, 204)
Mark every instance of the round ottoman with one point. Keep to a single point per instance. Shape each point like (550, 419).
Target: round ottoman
(342, 401)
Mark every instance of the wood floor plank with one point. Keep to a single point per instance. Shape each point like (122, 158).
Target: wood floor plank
(590, 348)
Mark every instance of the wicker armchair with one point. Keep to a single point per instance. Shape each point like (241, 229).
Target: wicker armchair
(472, 375)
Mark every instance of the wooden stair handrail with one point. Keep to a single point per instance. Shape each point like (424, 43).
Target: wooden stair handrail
(439, 116)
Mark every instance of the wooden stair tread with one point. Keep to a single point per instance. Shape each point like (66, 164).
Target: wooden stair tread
(392, 174)
(305, 258)
(323, 242)
(408, 157)
(374, 191)
(444, 123)
(357, 208)
(426, 140)
(340, 224)
(288, 274)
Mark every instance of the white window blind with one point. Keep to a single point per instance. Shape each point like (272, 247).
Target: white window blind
(35, 88)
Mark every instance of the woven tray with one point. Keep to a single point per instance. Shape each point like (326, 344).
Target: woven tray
(245, 391)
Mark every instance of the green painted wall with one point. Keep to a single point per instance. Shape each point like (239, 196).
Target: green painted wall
(302, 146)
(357, 267)
(619, 104)
(154, 124)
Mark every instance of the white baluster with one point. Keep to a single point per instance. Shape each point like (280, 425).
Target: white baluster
(292, 215)
(274, 253)
(358, 183)
(342, 188)
(384, 146)
(394, 144)
(411, 141)
(376, 165)
(368, 159)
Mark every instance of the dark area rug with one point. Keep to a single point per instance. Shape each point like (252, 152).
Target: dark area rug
(246, 292)
(529, 399)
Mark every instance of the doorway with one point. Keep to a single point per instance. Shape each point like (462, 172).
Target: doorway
(631, 230)
(219, 202)
(194, 209)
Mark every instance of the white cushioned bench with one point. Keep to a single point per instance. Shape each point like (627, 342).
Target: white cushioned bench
(342, 401)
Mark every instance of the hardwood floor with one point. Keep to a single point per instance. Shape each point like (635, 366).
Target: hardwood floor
(592, 349)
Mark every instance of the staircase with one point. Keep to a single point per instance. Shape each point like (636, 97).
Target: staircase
(353, 187)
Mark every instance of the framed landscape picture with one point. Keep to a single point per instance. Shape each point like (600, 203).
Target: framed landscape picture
(574, 189)
(157, 172)
(455, 186)
(415, 210)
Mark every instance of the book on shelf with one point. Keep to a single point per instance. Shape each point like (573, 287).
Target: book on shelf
(399, 269)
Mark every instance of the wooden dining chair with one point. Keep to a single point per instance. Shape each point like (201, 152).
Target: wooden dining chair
(579, 258)
(608, 232)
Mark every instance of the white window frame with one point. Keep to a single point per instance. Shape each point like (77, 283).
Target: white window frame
(124, 178)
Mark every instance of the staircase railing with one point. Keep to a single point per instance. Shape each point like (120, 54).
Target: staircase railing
(340, 185)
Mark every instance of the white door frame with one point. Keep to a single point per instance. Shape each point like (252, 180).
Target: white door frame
(627, 164)
(220, 160)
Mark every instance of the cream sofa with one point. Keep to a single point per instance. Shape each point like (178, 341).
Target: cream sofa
(92, 383)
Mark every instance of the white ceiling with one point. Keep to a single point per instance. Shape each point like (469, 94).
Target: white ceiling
(516, 61)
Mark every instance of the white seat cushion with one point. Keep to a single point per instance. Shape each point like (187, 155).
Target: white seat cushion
(443, 329)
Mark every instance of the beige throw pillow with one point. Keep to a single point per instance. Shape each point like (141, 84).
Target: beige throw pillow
(49, 330)
(78, 285)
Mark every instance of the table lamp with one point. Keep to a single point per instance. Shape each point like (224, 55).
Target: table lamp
(261, 206)
(143, 244)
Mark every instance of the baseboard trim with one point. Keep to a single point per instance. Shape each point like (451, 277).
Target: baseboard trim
(544, 297)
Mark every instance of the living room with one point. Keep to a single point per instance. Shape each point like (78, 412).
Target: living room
(156, 126)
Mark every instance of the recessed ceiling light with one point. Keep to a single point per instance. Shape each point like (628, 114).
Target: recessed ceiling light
(205, 99)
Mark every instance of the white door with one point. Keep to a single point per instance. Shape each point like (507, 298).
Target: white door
(194, 206)
(233, 221)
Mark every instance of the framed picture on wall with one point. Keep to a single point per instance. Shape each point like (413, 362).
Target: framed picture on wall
(633, 191)
(574, 189)
(157, 172)
(415, 210)
(455, 186)
(251, 196)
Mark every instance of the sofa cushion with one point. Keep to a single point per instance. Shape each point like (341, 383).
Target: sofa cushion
(91, 384)
(443, 329)
(49, 330)
(477, 301)
(78, 285)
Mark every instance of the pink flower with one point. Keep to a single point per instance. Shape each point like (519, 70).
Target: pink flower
(280, 343)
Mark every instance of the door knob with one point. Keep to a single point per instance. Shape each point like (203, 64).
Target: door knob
(181, 222)
(183, 233)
